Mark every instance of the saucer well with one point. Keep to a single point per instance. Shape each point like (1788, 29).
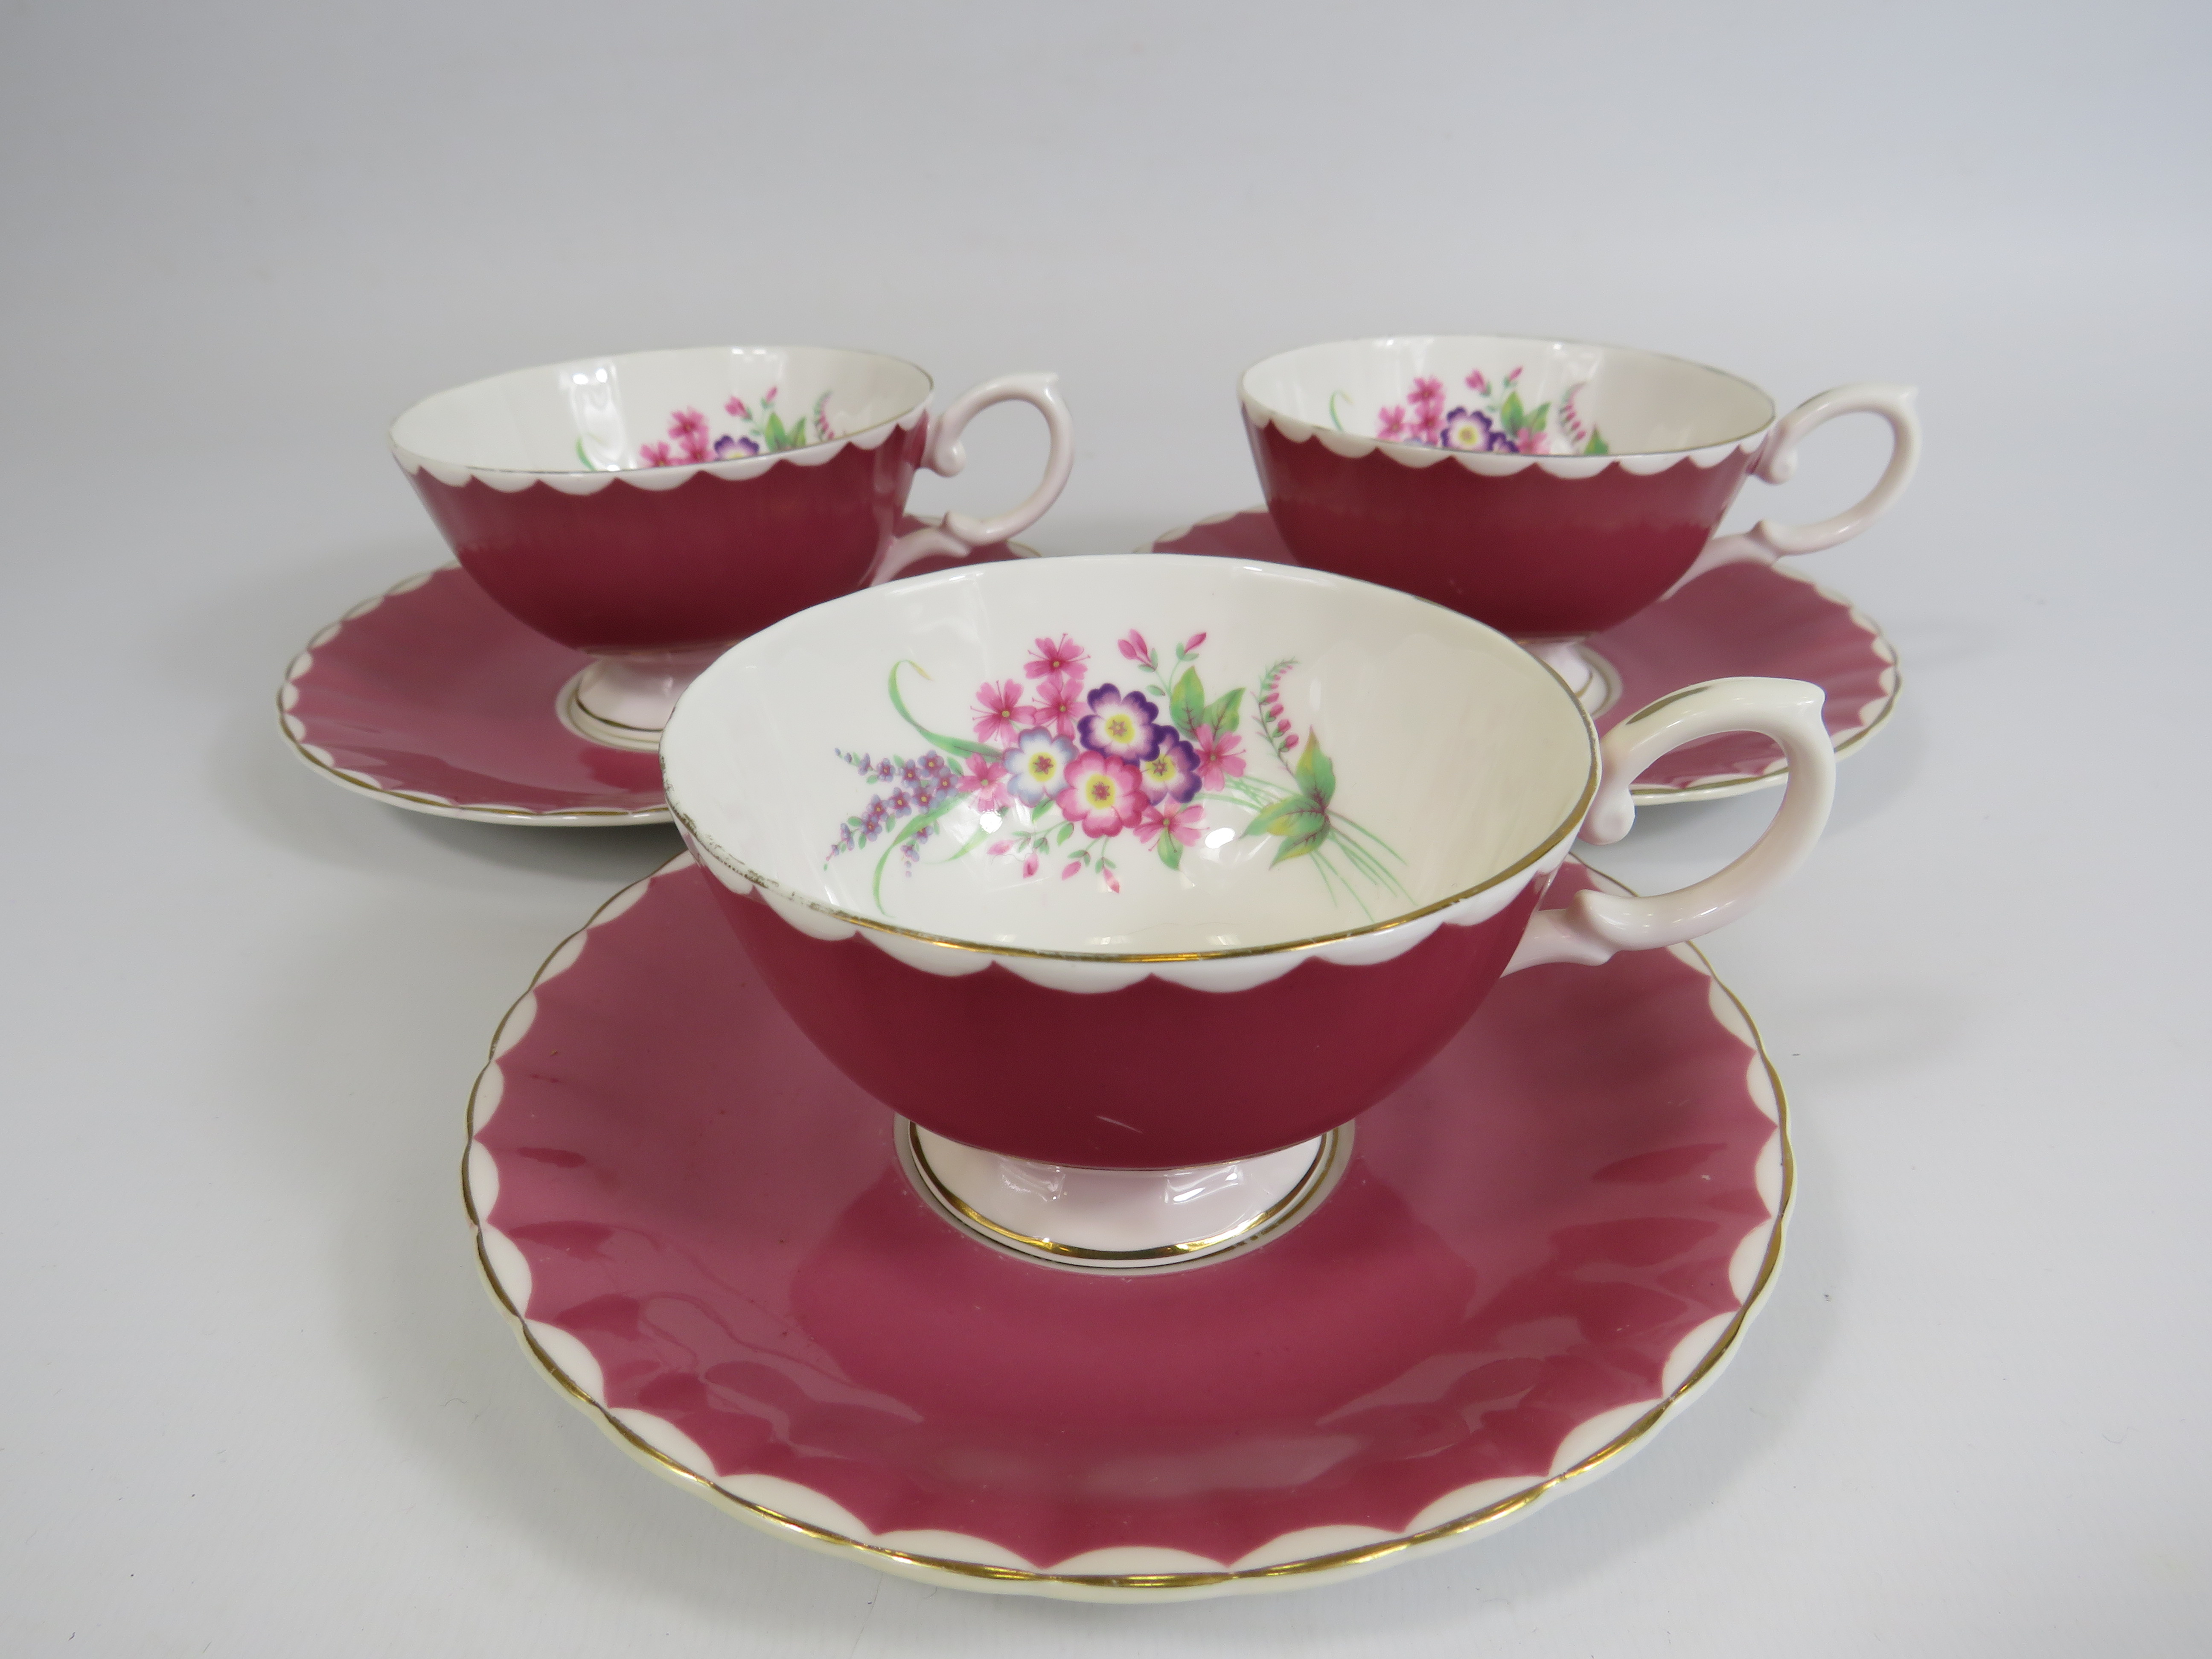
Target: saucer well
(1739, 619)
(431, 697)
(1534, 1254)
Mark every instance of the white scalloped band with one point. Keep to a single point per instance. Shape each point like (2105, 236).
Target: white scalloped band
(1094, 975)
(1488, 464)
(657, 478)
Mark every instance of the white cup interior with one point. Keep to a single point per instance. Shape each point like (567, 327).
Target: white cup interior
(1587, 399)
(1457, 758)
(685, 407)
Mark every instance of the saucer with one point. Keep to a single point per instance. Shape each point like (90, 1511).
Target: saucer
(431, 697)
(1534, 1254)
(1738, 619)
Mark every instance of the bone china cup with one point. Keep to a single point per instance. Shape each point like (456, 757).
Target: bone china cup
(1162, 863)
(652, 508)
(1548, 488)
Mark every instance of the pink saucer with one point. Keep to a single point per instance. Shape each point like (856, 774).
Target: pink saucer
(1738, 619)
(1536, 1251)
(431, 697)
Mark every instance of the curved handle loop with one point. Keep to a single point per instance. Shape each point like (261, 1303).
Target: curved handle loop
(1592, 925)
(960, 535)
(1767, 540)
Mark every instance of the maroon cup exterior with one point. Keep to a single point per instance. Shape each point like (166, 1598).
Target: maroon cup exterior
(1533, 555)
(629, 569)
(984, 1058)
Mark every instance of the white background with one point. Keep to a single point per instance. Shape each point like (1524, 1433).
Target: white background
(253, 1399)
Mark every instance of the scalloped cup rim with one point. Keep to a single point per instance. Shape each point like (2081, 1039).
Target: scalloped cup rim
(1545, 854)
(868, 437)
(1262, 412)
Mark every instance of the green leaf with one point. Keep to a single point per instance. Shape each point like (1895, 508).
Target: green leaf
(1276, 820)
(958, 748)
(1308, 831)
(1597, 445)
(1171, 852)
(1537, 419)
(1221, 712)
(1066, 830)
(1186, 708)
(1316, 772)
(1511, 415)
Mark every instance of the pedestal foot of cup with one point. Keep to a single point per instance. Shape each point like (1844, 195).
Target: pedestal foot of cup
(1120, 1221)
(623, 701)
(1592, 680)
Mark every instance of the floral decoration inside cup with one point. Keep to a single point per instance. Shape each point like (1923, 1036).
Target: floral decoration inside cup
(1500, 395)
(1228, 758)
(660, 409)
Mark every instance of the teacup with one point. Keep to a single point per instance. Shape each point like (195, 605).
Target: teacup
(1168, 865)
(1549, 487)
(651, 509)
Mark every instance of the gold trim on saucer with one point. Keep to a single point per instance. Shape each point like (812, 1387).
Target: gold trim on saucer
(436, 806)
(775, 1521)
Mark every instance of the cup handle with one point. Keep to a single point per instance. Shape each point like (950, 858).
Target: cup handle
(1592, 925)
(960, 535)
(1767, 540)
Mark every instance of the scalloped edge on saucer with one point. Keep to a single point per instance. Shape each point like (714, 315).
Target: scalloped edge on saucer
(324, 764)
(1133, 1573)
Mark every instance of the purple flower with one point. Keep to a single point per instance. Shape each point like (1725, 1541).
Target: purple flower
(1120, 724)
(1468, 429)
(1171, 771)
(726, 448)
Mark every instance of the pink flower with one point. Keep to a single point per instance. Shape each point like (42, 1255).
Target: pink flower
(1218, 759)
(1391, 424)
(1531, 442)
(656, 455)
(1029, 864)
(1427, 396)
(696, 449)
(1104, 795)
(1073, 865)
(1476, 382)
(737, 406)
(1184, 822)
(998, 849)
(1134, 648)
(1003, 717)
(1112, 881)
(1064, 660)
(687, 423)
(1512, 377)
(1193, 642)
(770, 397)
(1059, 706)
(1290, 744)
(986, 780)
